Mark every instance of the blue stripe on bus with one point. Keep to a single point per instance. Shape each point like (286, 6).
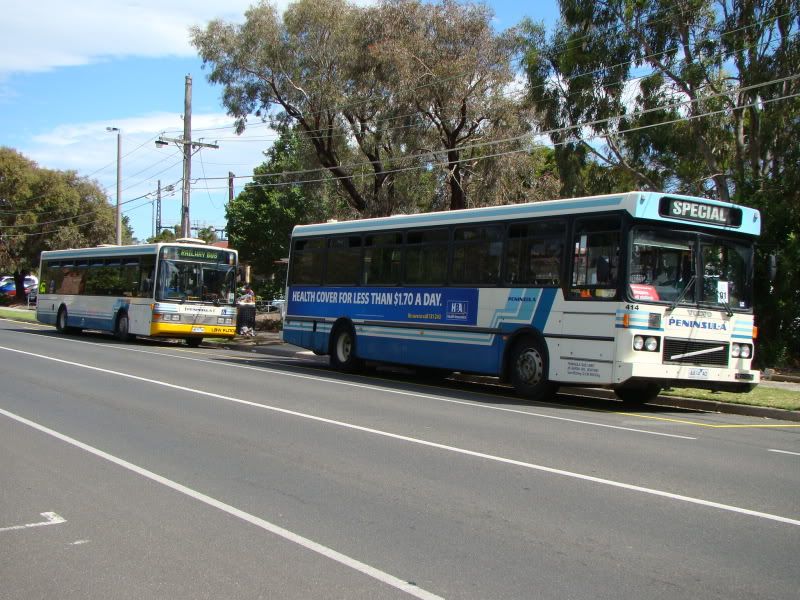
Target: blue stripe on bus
(546, 299)
(437, 353)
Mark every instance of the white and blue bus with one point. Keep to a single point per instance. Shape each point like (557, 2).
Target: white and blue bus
(635, 292)
(175, 290)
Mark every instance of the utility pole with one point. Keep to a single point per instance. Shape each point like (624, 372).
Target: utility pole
(187, 157)
(188, 147)
(230, 186)
(158, 210)
(119, 182)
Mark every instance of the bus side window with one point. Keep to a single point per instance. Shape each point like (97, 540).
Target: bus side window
(534, 253)
(146, 276)
(307, 263)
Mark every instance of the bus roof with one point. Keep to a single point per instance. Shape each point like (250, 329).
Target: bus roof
(122, 251)
(657, 206)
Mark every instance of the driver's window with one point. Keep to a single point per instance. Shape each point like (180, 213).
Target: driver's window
(595, 261)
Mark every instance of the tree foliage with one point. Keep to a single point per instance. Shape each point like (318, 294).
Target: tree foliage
(261, 217)
(692, 96)
(42, 209)
(375, 91)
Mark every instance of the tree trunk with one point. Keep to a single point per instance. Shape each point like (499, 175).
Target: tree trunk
(458, 199)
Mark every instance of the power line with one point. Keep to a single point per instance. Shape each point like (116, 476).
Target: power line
(437, 81)
(509, 152)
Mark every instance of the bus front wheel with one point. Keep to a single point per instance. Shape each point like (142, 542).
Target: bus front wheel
(61, 320)
(343, 350)
(529, 370)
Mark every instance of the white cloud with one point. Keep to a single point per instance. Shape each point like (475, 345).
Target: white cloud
(90, 149)
(39, 35)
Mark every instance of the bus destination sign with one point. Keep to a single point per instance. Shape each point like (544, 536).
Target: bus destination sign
(198, 254)
(691, 210)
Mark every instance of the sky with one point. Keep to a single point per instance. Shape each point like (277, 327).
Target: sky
(69, 70)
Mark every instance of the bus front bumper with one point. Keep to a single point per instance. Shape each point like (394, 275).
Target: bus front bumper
(688, 376)
(184, 330)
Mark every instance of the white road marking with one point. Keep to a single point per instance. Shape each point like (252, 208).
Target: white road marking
(52, 519)
(387, 390)
(784, 452)
(343, 559)
(426, 443)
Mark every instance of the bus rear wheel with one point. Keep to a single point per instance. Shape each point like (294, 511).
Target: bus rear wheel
(529, 370)
(122, 330)
(343, 350)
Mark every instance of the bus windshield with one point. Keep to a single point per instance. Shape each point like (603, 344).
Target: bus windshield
(689, 269)
(191, 281)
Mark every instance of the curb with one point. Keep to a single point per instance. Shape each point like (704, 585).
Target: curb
(712, 406)
(728, 408)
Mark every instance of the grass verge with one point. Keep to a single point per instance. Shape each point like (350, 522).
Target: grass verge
(20, 314)
(763, 395)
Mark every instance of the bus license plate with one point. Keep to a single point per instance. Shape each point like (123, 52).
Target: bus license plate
(198, 329)
(698, 373)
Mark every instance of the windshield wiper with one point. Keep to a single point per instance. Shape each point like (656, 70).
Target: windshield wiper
(728, 310)
(683, 293)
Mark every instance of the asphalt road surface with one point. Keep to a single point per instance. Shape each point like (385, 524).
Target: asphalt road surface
(150, 470)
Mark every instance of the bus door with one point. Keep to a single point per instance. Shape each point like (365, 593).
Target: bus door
(586, 349)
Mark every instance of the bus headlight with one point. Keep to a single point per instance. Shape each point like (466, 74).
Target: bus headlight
(746, 351)
(741, 350)
(648, 344)
(736, 350)
(651, 344)
(224, 320)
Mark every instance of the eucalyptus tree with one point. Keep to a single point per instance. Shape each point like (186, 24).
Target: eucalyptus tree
(697, 96)
(456, 75)
(310, 67)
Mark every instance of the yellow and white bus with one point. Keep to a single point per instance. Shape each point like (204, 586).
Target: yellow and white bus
(172, 290)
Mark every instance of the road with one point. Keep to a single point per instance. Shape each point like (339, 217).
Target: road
(150, 470)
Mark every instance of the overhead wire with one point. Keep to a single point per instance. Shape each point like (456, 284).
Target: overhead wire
(508, 140)
(525, 136)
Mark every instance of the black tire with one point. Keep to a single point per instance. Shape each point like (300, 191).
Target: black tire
(61, 320)
(194, 342)
(529, 370)
(640, 393)
(343, 350)
(122, 330)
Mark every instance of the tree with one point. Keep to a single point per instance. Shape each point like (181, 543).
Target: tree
(165, 235)
(383, 94)
(304, 65)
(261, 218)
(208, 235)
(453, 71)
(42, 209)
(694, 96)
